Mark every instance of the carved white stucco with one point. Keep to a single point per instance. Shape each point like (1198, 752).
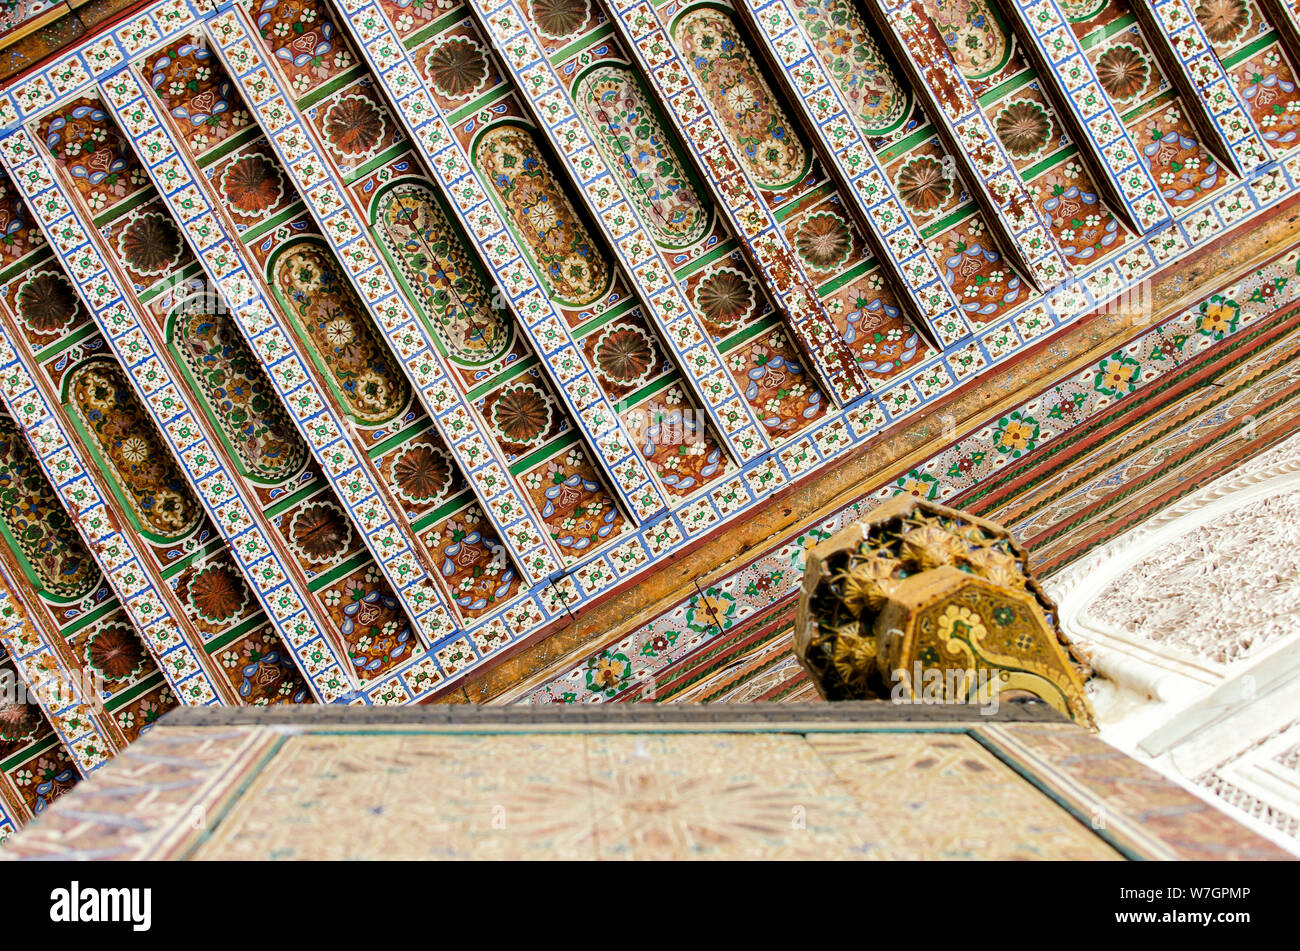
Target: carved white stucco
(1192, 621)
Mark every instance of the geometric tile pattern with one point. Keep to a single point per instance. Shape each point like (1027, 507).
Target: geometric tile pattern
(1073, 73)
(129, 565)
(251, 304)
(917, 268)
(1180, 32)
(1061, 469)
(363, 478)
(709, 782)
(948, 81)
(380, 559)
(120, 313)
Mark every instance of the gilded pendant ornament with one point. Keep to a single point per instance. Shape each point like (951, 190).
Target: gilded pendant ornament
(919, 593)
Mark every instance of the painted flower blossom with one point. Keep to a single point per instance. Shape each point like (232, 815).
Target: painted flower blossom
(253, 184)
(522, 414)
(923, 185)
(1223, 20)
(560, 19)
(320, 532)
(218, 593)
(354, 126)
(1024, 128)
(116, 652)
(824, 240)
(457, 67)
(1123, 72)
(626, 354)
(726, 296)
(46, 302)
(422, 473)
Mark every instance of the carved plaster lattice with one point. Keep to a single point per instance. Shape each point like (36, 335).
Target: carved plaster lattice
(1190, 621)
(917, 589)
(1222, 592)
(1213, 576)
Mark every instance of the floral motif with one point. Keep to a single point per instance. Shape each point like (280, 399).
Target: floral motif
(660, 644)
(342, 339)
(237, 393)
(195, 90)
(961, 623)
(354, 126)
(725, 297)
(140, 464)
(924, 184)
(423, 473)
(752, 118)
(1268, 87)
(558, 243)
(1123, 72)
(979, 277)
(141, 716)
(475, 566)
(679, 447)
(608, 672)
(150, 244)
(457, 67)
(856, 66)
(1024, 127)
(410, 16)
(711, 611)
(20, 723)
(559, 19)
(576, 507)
(824, 240)
(522, 413)
(1117, 375)
(775, 384)
(116, 652)
(626, 354)
(262, 671)
(973, 35)
(376, 631)
(218, 593)
(300, 37)
(449, 288)
(90, 151)
(1181, 168)
(47, 779)
(1016, 434)
(46, 302)
(320, 532)
(875, 330)
(17, 235)
(631, 137)
(252, 185)
(47, 542)
(1219, 317)
(919, 484)
(1082, 225)
(1223, 20)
